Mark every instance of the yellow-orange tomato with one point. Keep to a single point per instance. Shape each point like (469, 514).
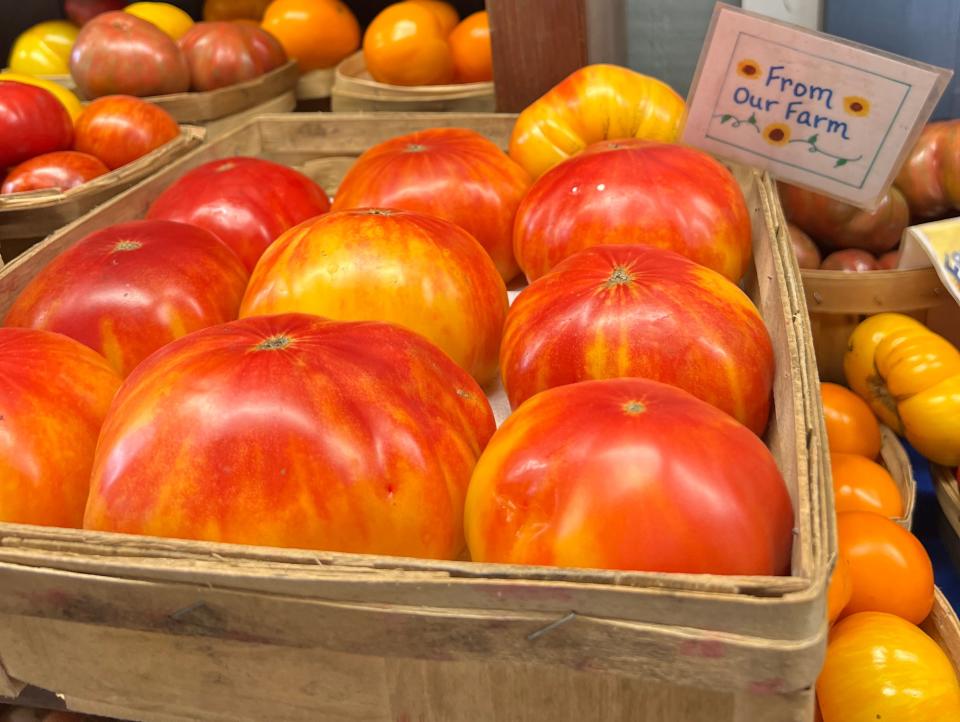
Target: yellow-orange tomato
(594, 103)
(315, 33)
(446, 14)
(472, 54)
(860, 484)
(880, 667)
(405, 45)
(234, 9)
(44, 49)
(891, 570)
(851, 426)
(840, 589)
(169, 18)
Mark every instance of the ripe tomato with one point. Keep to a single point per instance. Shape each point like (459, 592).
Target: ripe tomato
(117, 53)
(880, 667)
(636, 192)
(32, 122)
(83, 11)
(482, 187)
(446, 14)
(118, 129)
(64, 169)
(890, 568)
(70, 101)
(315, 33)
(214, 10)
(246, 202)
(225, 53)
(128, 289)
(169, 18)
(614, 474)
(851, 426)
(807, 252)
(840, 589)
(613, 311)
(417, 271)
(470, 46)
(44, 49)
(851, 260)
(357, 437)
(406, 45)
(860, 484)
(928, 177)
(54, 395)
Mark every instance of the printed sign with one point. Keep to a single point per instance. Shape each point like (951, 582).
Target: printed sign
(936, 244)
(826, 114)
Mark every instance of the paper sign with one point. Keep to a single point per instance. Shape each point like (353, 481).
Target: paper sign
(936, 244)
(815, 111)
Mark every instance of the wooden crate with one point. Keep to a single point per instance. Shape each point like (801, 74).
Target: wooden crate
(894, 458)
(313, 90)
(355, 91)
(257, 633)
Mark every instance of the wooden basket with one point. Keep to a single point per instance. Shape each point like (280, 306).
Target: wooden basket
(948, 494)
(257, 633)
(355, 91)
(313, 90)
(944, 627)
(894, 458)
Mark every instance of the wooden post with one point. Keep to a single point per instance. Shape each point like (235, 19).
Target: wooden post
(537, 44)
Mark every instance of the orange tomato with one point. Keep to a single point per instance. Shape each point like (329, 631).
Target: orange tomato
(851, 426)
(860, 484)
(446, 14)
(315, 33)
(840, 589)
(405, 45)
(890, 569)
(470, 45)
(879, 667)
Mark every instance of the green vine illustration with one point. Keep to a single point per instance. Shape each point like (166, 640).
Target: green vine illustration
(737, 122)
(814, 148)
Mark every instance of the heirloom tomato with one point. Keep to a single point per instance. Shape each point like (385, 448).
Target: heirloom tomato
(64, 169)
(44, 49)
(169, 18)
(83, 11)
(118, 129)
(294, 431)
(446, 14)
(315, 33)
(128, 289)
(930, 176)
(851, 260)
(406, 45)
(851, 426)
(839, 590)
(629, 474)
(225, 53)
(54, 395)
(69, 99)
(472, 53)
(246, 202)
(860, 484)
(214, 10)
(32, 122)
(807, 252)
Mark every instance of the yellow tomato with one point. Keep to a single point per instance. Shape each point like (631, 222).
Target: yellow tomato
(70, 101)
(881, 667)
(910, 376)
(594, 103)
(44, 49)
(169, 18)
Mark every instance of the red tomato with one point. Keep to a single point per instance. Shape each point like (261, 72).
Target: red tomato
(83, 11)
(637, 192)
(850, 260)
(119, 129)
(889, 260)
(54, 395)
(807, 252)
(224, 53)
(452, 173)
(612, 311)
(628, 474)
(930, 176)
(128, 289)
(246, 202)
(118, 53)
(303, 432)
(63, 169)
(32, 122)
(420, 272)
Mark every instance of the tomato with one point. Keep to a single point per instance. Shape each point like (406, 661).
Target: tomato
(354, 437)
(446, 14)
(836, 225)
(880, 667)
(69, 100)
(594, 103)
(612, 311)
(118, 129)
(64, 170)
(246, 202)
(840, 589)
(930, 176)
(83, 11)
(851, 426)
(911, 378)
(315, 33)
(860, 484)
(169, 18)
(808, 255)
(453, 173)
(44, 49)
(128, 289)
(225, 53)
(214, 10)
(890, 569)
(117, 53)
(889, 260)
(635, 192)
(472, 53)
(54, 395)
(32, 122)
(850, 260)
(613, 474)
(406, 45)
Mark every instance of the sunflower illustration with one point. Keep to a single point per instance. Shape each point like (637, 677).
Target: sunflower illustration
(777, 134)
(749, 69)
(855, 105)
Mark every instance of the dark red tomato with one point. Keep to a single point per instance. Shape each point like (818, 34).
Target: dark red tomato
(32, 122)
(247, 202)
(119, 129)
(83, 11)
(851, 260)
(63, 169)
(889, 260)
(224, 53)
(128, 289)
